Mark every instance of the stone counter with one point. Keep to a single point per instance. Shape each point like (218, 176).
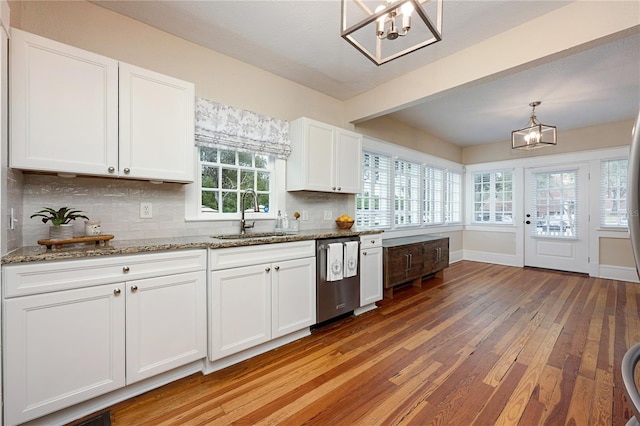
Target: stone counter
(116, 247)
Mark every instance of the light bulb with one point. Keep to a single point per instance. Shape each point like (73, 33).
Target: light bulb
(407, 10)
(380, 21)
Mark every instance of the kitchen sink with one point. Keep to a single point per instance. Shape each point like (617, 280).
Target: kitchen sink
(250, 235)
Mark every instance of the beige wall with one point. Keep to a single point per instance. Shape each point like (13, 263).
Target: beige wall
(397, 132)
(616, 252)
(490, 242)
(588, 138)
(216, 77)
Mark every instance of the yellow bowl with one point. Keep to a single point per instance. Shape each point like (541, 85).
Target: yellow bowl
(344, 225)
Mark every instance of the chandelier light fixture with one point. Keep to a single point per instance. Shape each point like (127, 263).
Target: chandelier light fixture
(383, 30)
(535, 135)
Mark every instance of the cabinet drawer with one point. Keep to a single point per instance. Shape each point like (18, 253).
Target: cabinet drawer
(234, 257)
(44, 277)
(370, 241)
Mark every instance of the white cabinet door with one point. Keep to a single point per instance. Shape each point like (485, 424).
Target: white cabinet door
(64, 107)
(156, 126)
(320, 154)
(293, 296)
(240, 310)
(62, 348)
(166, 323)
(348, 162)
(370, 275)
(323, 158)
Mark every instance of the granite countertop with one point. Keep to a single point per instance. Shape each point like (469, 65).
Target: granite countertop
(115, 247)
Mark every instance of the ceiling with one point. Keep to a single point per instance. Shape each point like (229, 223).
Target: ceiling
(299, 40)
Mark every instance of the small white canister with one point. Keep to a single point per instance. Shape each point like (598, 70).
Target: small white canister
(92, 228)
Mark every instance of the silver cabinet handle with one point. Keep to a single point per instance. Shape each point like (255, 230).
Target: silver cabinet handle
(410, 261)
(334, 188)
(364, 253)
(111, 169)
(267, 269)
(339, 188)
(134, 288)
(116, 291)
(127, 170)
(277, 268)
(125, 269)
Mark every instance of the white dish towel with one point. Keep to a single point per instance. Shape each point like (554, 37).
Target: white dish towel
(334, 261)
(350, 259)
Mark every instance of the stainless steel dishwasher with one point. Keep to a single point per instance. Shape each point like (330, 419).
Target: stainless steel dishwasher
(335, 298)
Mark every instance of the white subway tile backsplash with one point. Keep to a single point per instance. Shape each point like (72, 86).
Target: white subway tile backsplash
(116, 203)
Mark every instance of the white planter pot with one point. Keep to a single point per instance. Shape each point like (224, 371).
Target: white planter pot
(62, 232)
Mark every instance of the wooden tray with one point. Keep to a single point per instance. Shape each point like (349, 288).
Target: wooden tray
(59, 243)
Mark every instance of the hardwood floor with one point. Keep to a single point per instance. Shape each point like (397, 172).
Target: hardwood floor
(488, 345)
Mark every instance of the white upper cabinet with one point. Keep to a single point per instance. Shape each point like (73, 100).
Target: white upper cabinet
(156, 126)
(323, 158)
(64, 107)
(76, 112)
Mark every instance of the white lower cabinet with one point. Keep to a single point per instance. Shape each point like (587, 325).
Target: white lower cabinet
(114, 321)
(61, 349)
(272, 297)
(370, 269)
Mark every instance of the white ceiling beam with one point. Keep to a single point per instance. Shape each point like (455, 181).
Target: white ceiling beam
(566, 30)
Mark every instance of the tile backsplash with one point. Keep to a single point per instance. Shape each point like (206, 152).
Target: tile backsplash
(116, 203)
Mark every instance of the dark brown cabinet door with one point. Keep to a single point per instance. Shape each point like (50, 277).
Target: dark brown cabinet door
(402, 264)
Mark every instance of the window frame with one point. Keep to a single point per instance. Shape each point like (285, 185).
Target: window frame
(493, 202)
(602, 200)
(396, 152)
(363, 215)
(193, 193)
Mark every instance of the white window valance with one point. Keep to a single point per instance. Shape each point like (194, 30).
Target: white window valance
(222, 126)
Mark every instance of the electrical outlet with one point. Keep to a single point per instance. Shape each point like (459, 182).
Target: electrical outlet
(146, 211)
(305, 215)
(328, 215)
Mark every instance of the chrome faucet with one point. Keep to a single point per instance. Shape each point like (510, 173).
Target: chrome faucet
(243, 223)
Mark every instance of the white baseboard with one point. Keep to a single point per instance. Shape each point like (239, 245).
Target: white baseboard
(621, 273)
(455, 256)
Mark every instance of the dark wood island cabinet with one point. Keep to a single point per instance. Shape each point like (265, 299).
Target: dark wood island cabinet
(409, 259)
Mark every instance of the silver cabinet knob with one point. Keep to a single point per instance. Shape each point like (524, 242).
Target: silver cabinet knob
(111, 169)
(125, 269)
(134, 288)
(267, 269)
(364, 253)
(339, 188)
(116, 291)
(277, 268)
(127, 171)
(334, 188)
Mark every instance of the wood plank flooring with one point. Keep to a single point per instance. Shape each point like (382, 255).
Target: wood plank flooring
(487, 345)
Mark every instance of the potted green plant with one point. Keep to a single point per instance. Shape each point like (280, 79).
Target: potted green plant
(61, 227)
